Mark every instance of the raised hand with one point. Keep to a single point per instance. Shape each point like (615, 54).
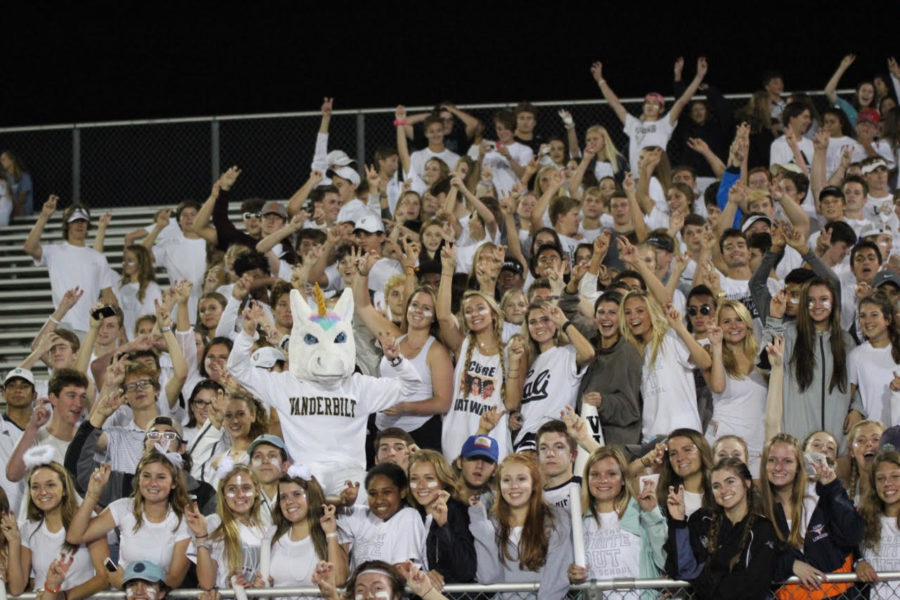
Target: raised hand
(566, 116)
(163, 218)
(70, 299)
(778, 304)
(324, 577)
(698, 145)
(439, 508)
(675, 503)
(673, 316)
(41, 414)
(49, 206)
(227, 179)
(678, 67)
(847, 61)
(400, 113)
(98, 481)
(389, 345)
(647, 495)
(490, 418)
(10, 528)
(597, 72)
(775, 351)
(327, 106)
(821, 139)
(448, 257)
(349, 493)
(702, 67)
(714, 334)
(328, 521)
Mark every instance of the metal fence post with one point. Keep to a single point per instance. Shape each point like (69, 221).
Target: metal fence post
(361, 141)
(76, 164)
(214, 147)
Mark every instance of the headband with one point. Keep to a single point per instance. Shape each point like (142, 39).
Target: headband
(173, 457)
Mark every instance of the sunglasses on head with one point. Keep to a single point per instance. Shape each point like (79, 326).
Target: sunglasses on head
(705, 309)
(250, 215)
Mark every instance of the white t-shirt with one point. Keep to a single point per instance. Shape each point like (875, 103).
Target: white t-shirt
(400, 538)
(469, 401)
(315, 414)
(781, 153)
(871, 371)
(692, 502)
(45, 438)
(602, 169)
(46, 547)
(836, 146)
(132, 308)
(69, 266)
(182, 258)
(646, 133)
(738, 411)
(551, 384)
(504, 178)
(418, 159)
(251, 542)
(152, 541)
(292, 563)
(670, 397)
(559, 495)
(610, 551)
(10, 434)
(886, 558)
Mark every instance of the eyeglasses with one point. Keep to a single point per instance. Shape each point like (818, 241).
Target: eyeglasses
(250, 215)
(704, 310)
(201, 403)
(164, 435)
(137, 385)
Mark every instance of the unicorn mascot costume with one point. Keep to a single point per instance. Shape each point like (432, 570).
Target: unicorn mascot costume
(322, 404)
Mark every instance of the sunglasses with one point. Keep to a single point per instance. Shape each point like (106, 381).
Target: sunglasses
(165, 435)
(705, 309)
(250, 215)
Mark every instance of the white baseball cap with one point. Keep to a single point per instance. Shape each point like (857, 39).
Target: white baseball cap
(21, 374)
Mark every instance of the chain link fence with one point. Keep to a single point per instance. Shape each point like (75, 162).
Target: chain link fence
(148, 163)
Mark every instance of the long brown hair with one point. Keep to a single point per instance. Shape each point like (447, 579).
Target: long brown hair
(740, 469)
(68, 505)
(853, 480)
(803, 360)
(872, 508)
(315, 508)
(798, 490)
(668, 476)
(496, 328)
(145, 271)
(178, 499)
(535, 540)
(883, 302)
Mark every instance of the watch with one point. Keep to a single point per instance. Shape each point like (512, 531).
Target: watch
(396, 361)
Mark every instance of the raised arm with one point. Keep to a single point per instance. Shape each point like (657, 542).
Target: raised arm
(162, 220)
(831, 86)
(699, 356)
(83, 528)
(578, 175)
(402, 144)
(179, 365)
(297, 201)
(374, 321)
(32, 245)
(450, 332)
(716, 375)
(468, 120)
(637, 215)
(537, 214)
(487, 217)
(100, 237)
(571, 134)
(700, 146)
(682, 101)
(646, 166)
(608, 94)
(775, 395)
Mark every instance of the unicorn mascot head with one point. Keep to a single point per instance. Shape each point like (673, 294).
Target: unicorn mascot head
(322, 347)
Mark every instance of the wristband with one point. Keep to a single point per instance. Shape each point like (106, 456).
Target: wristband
(396, 361)
(331, 535)
(165, 329)
(50, 590)
(565, 325)
(399, 123)
(52, 319)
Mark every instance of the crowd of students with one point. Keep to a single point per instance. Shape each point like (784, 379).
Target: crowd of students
(696, 337)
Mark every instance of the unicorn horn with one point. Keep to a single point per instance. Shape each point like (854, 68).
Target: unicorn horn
(320, 301)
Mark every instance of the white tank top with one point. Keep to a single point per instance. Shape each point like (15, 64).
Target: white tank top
(423, 390)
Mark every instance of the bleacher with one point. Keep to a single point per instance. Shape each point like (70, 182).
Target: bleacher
(25, 300)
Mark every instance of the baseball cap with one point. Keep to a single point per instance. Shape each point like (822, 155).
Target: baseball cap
(369, 223)
(78, 213)
(267, 438)
(868, 167)
(871, 228)
(266, 357)
(890, 437)
(273, 207)
(663, 242)
(868, 114)
(885, 277)
(144, 570)
(512, 265)
(20, 373)
(167, 421)
(339, 158)
(481, 445)
(347, 173)
(776, 168)
(749, 220)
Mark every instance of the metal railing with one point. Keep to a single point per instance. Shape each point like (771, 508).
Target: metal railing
(594, 590)
(163, 161)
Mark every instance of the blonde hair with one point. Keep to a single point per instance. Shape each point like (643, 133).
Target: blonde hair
(658, 324)
(749, 347)
(497, 329)
(609, 153)
(178, 499)
(450, 481)
(798, 490)
(229, 529)
(625, 494)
